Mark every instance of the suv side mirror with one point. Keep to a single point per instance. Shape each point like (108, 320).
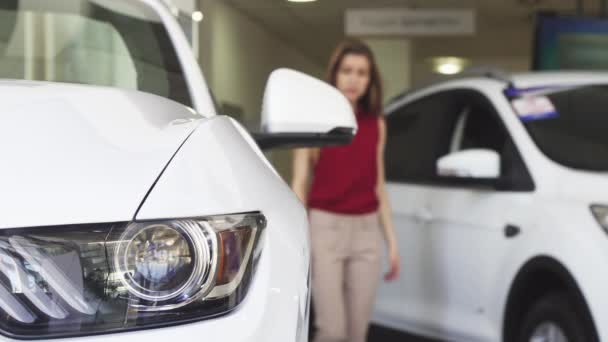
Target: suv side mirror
(474, 163)
(301, 111)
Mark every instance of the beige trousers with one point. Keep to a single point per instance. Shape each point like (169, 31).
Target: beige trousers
(346, 252)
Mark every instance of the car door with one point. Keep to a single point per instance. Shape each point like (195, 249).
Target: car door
(473, 223)
(416, 135)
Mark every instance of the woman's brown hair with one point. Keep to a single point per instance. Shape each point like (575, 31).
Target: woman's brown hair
(371, 102)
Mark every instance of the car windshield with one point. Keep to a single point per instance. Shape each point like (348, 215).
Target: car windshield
(113, 43)
(569, 124)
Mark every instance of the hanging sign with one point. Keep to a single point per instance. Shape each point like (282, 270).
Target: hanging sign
(406, 22)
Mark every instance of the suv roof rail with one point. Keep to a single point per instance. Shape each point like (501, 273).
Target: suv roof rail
(485, 72)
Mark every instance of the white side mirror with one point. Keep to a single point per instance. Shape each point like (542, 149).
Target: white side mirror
(301, 111)
(477, 163)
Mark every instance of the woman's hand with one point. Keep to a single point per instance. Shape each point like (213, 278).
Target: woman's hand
(395, 265)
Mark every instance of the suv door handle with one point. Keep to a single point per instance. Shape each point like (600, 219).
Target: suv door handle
(512, 231)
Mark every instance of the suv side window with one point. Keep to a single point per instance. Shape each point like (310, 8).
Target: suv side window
(482, 130)
(455, 120)
(479, 126)
(417, 135)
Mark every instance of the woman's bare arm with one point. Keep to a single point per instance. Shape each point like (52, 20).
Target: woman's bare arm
(385, 209)
(302, 165)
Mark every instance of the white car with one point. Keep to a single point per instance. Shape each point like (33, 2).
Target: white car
(499, 191)
(126, 202)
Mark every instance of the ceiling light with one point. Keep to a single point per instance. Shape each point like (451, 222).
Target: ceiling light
(449, 65)
(449, 68)
(197, 16)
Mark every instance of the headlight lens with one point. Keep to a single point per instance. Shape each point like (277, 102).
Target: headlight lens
(600, 212)
(87, 279)
(165, 265)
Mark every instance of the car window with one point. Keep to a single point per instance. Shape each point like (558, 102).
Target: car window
(421, 133)
(417, 135)
(478, 125)
(482, 130)
(574, 134)
(115, 43)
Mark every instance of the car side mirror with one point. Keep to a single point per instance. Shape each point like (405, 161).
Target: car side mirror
(301, 111)
(474, 163)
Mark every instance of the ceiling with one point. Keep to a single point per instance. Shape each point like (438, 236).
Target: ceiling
(314, 28)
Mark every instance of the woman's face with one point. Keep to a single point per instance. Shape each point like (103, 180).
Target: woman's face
(353, 77)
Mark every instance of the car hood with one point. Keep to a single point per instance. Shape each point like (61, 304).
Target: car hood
(82, 154)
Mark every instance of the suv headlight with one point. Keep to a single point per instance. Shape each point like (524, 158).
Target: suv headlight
(100, 278)
(600, 212)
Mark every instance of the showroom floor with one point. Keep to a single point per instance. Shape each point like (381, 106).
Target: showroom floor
(377, 334)
(381, 334)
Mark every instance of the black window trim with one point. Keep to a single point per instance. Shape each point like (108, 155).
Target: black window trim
(500, 185)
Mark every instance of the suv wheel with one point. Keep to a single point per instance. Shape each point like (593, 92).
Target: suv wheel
(555, 318)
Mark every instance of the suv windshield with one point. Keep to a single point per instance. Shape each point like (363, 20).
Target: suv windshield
(113, 43)
(569, 124)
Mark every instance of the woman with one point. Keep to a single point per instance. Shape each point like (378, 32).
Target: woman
(348, 204)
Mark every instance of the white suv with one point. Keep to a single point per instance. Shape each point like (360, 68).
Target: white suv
(126, 203)
(499, 189)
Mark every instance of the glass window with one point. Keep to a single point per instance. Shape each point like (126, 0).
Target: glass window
(575, 134)
(417, 135)
(482, 128)
(426, 130)
(99, 42)
(478, 125)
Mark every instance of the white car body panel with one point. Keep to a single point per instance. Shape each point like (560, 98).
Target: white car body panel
(231, 178)
(69, 150)
(228, 177)
(458, 265)
(76, 154)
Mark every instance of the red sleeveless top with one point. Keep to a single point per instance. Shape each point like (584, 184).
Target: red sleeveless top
(345, 177)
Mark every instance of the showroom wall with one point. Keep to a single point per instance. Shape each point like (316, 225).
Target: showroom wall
(187, 6)
(245, 54)
(237, 55)
(394, 58)
(495, 44)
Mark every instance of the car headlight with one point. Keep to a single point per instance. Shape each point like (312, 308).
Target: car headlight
(101, 278)
(600, 212)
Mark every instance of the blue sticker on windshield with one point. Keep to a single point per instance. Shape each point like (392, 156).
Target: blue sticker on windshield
(533, 108)
(538, 117)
